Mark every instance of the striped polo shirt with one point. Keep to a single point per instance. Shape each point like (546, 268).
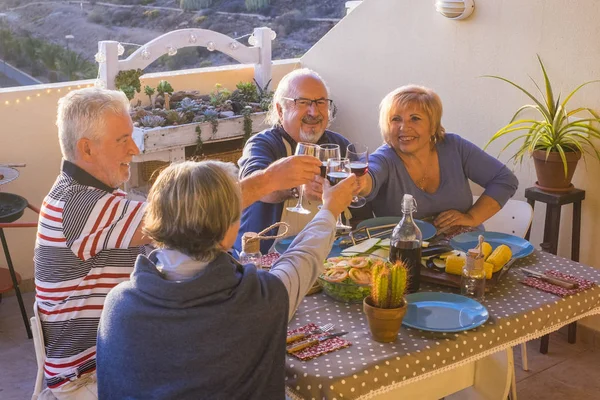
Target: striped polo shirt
(81, 252)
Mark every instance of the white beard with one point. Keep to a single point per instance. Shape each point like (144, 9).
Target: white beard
(310, 136)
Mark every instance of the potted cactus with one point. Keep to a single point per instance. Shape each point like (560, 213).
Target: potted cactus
(386, 306)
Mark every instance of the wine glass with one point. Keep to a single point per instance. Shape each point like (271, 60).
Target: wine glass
(358, 155)
(328, 150)
(309, 149)
(338, 169)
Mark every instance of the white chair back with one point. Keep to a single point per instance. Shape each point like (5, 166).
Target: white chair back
(514, 218)
(40, 350)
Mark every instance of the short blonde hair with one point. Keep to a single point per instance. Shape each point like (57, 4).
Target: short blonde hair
(81, 115)
(192, 205)
(402, 97)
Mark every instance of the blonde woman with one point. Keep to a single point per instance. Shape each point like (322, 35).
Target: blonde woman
(192, 323)
(420, 158)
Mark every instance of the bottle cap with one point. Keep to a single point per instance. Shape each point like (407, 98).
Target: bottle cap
(409, 203)
(250, 242)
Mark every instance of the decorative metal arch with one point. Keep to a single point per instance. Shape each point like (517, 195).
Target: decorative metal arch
(258, 54)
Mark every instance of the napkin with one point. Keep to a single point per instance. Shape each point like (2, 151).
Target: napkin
(324, 347)
(584, 284)
(268, 259)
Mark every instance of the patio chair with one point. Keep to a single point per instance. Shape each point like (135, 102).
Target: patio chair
(514, 218)
(40, 351)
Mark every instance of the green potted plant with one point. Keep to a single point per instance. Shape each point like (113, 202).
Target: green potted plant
(386, 306)
(556, 140)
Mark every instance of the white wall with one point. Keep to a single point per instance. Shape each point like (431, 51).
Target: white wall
(384, 44)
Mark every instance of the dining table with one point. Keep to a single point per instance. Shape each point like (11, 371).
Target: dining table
(423, 364)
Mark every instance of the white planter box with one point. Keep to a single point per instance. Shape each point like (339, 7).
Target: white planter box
(168, 143)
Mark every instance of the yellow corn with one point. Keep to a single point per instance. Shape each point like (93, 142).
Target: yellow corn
(486, 250)
(499, 257)
(455, 264)
(489, 268)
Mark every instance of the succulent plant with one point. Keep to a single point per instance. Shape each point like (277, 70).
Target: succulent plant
(188, 106)
(175, 118)
(165, 89)
(152, 121)
(388, 284)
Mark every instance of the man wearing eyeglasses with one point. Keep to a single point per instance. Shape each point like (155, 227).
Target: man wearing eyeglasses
(300, 111)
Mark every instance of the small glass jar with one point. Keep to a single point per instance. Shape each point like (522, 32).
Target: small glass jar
(250, 253)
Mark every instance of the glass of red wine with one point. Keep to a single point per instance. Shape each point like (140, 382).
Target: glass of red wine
(338, 169)
(358, 156)
(311, 150)
(328, 150)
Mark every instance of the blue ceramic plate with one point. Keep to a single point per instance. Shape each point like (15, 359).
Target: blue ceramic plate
(520, 247)
(443, 312)
(426, 228)
(282, 245)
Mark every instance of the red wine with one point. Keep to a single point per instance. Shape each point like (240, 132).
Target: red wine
(359, 168)
(324, 169)
(410, 253)
(336, 176)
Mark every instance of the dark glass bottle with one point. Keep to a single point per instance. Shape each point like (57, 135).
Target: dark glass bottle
(406, 243)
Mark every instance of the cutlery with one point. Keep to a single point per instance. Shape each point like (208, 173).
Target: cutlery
(307, 343)
(550, 279)
(506, 267)
(301, 335)
(13, 165)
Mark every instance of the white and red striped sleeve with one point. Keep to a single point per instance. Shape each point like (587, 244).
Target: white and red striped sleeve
(96, 223)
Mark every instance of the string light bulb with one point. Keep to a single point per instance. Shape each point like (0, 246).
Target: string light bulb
(100, 57)
(171, 50)
(252, 40)
(120, 49)
(193, 39)
(273, 34)
(210, 46)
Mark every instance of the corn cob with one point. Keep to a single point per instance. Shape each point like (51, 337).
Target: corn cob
(499, 257)
(489, 268)
(455, 264)
(486, 250)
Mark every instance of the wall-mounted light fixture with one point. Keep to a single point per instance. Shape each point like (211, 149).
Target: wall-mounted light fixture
(455, 9)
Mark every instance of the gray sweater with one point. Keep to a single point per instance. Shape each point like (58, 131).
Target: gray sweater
(218, 332)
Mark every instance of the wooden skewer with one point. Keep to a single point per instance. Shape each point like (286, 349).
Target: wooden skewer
(480, 245)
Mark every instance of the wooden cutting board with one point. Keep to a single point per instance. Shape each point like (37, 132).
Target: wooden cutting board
(444, 279)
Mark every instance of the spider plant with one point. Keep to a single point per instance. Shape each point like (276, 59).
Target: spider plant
(558, 130)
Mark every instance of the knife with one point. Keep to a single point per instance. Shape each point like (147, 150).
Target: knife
(307, 343)
(550, 279)
(506, 267)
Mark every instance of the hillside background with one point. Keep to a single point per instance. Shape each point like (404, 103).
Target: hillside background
(32, 34)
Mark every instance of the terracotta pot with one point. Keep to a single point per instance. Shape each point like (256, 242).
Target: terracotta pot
(550, 172)
(384, 323)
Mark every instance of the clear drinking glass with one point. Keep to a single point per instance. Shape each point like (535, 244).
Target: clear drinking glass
(338, 169)
(309, 149)
(328, 150)
(358, 155)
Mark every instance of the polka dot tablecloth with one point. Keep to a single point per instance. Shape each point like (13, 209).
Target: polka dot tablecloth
(518, 313)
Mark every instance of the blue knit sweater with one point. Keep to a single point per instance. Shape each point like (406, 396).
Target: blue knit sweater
(218, 335)
(260, 151)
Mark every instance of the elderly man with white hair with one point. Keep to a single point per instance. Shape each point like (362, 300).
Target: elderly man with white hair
(301, 111)
(89, 233)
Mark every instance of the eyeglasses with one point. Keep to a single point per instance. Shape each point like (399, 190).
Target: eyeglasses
(306, 103)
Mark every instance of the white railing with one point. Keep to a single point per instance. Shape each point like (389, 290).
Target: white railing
(258, 53)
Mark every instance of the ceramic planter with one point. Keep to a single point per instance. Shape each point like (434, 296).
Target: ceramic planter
(550, 172)
(384, 323)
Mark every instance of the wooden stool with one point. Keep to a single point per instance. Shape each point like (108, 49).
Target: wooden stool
(554, 203)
